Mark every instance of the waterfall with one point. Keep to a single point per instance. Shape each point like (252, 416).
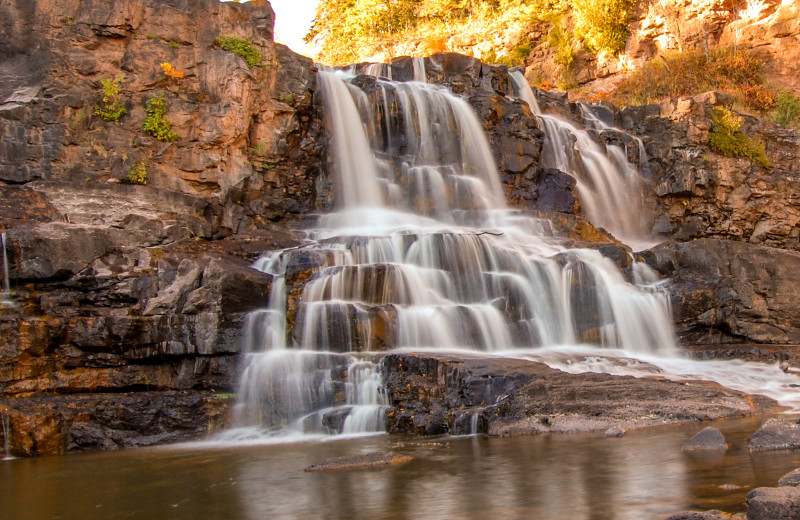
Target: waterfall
(355, 169)
(5, 296)
(422, 253)
(5, 422)
(609, 185)
(379, 70)
(419, 70)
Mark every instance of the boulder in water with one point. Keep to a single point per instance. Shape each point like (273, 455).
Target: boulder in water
(781, 503)
(615, 431)
(790, 479)
(775, 434)
(708, 438)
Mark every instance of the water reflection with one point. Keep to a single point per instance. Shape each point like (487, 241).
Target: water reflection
(642, 475)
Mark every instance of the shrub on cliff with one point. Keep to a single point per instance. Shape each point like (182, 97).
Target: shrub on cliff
(241, 47)
(727, 138)
(786, 109)
(156, 122)
(691, 72)
(137, 174)
(112, 108)
(602, 24)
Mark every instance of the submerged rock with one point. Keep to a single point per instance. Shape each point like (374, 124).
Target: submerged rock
(709, 438)
(367, 460)
(615, 431)
(704, 515)
(776, 434)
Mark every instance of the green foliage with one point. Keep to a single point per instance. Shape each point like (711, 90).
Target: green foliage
(602, 24)
(727, 139)
(560, 39)
(190, 233)
(242, 47)
(156, 122)
(515, 57)
(137, 174)
(566, 80)
(787, 109)
(347, 31)
(690, 73)
(520, 52)
(341, 27)
(112, 108)
(260, 148)
(287, 98)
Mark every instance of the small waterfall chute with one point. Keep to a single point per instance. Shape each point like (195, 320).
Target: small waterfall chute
(609, 185)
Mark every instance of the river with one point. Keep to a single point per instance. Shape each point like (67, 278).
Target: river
(583, 476)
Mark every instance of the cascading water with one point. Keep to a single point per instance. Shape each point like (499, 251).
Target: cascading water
(5, 423)
(419, 70)
(608, 184)
(422, 254)
(5, 296)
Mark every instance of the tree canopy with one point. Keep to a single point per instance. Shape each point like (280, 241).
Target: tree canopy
(342, 29)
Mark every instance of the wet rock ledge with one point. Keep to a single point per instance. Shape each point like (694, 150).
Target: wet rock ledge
(444, 393)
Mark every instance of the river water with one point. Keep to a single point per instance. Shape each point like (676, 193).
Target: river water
(643, 475)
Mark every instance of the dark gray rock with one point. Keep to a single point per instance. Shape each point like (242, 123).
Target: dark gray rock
(776, 434)
(708, 438)
(556, 192)
(437, 393)
(703, 194)
(61, 424)
(773, 503)
(730, 292)
(790, 479)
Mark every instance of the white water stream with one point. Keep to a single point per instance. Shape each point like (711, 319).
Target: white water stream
(609, 186)
(424, 254)
(5, 296)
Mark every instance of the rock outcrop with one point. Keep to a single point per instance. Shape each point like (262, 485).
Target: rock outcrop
(444, 393)
(726, 292)
(776, 434)
(703, 194)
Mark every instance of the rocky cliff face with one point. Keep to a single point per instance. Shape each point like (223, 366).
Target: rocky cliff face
(769, 29)
(140, 288)
(703, 194)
